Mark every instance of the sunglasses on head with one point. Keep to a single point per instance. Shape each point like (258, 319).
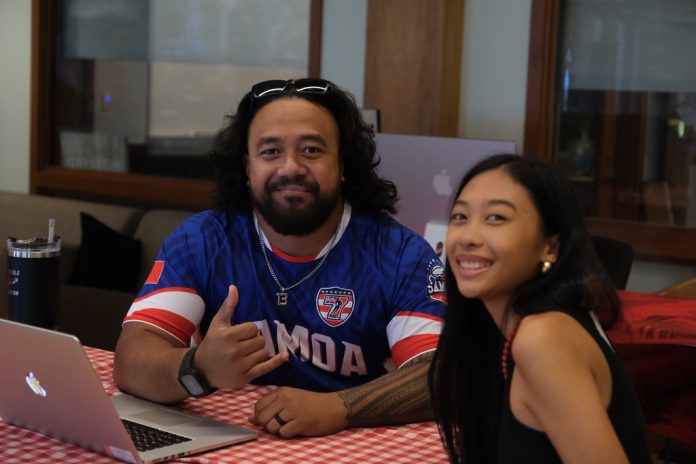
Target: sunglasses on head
(267, 89)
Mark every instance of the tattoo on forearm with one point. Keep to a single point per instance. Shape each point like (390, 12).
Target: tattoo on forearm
(395, 398)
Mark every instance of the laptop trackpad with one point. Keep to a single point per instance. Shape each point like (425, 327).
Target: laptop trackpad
(162, 417)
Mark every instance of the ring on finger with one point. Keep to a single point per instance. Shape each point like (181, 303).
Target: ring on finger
(279, 420)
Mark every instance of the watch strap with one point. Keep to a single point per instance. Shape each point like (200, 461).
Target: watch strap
(186, 370)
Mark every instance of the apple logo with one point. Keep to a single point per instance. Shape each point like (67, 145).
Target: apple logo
(35, 385)
(441, 182)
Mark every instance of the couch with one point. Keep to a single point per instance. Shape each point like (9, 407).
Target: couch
(91, 312)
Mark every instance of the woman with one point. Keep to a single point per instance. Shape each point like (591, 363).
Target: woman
(523, 371)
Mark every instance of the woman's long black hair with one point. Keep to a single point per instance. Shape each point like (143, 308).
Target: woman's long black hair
(363, 188)
(465, 380)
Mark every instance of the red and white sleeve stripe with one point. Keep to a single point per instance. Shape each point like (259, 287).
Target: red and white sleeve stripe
(175, 310)
(411, 334)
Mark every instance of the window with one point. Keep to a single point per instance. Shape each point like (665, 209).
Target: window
(611, 100)
(127, 94)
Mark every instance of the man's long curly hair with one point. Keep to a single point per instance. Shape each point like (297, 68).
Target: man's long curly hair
(363, 188)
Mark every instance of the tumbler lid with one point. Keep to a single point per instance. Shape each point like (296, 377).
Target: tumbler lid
(35, 247)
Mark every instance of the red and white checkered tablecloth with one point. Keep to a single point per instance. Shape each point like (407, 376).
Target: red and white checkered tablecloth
(413, 443)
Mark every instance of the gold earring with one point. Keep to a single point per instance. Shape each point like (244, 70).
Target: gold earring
(546, 266)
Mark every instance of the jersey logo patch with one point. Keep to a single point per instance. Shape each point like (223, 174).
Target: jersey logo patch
(335, 305)
(436, 281)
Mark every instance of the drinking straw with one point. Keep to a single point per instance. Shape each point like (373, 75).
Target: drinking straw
(51, 229)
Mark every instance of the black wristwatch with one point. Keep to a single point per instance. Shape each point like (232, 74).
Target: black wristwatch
(192, 380)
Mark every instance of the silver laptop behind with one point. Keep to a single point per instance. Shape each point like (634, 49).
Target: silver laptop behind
(48, 385)
(427, 170)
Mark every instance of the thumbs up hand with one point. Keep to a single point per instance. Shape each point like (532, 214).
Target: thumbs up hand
(232, 355)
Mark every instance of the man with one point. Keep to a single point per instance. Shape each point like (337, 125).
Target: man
(298, 278)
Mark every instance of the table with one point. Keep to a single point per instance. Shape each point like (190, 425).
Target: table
(656, 339)
(412, 443)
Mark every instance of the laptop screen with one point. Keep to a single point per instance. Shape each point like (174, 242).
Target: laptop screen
(427, 170)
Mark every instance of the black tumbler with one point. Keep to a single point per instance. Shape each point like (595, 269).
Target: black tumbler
(32, 281)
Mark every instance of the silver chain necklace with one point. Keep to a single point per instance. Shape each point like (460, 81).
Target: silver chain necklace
(282, 295)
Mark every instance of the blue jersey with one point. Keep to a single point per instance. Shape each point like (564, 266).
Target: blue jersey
(378, 295)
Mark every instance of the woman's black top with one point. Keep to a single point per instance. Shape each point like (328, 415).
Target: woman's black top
(518, 443)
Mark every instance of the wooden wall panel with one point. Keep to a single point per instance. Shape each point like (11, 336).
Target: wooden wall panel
(413, 64)
(539, 118)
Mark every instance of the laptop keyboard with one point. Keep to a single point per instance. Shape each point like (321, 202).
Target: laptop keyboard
(149, 438)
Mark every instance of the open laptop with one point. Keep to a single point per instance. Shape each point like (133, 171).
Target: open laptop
(426, 171)
(48, 385)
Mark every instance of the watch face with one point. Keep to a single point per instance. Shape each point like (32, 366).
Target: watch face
(192, 385)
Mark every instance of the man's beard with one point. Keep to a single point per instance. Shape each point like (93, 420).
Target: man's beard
(299, 217)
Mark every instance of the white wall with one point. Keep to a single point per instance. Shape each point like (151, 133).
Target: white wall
(650, 277)
(494, 70)
(15, 56)
(343, 45)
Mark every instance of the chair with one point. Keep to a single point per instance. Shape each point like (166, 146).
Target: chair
(617, 258)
